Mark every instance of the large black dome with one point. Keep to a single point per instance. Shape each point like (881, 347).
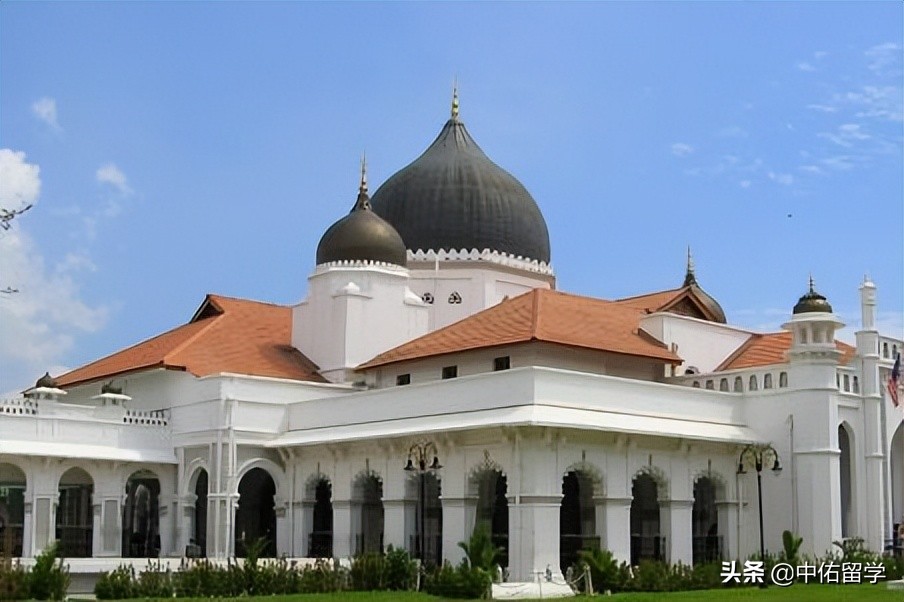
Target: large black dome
(454, 197)
(362, 235)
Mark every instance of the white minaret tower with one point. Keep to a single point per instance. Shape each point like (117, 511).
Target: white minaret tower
(878, 514)
(813, 401)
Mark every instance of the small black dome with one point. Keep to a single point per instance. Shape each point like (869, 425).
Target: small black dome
(362, 235)
(812, 302)
(454, 197)
(46, 381)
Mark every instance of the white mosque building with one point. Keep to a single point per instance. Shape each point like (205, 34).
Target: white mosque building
(433, 337)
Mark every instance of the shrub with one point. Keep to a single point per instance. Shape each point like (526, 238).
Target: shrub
(464, 582)
(323, 577)
(368, 572)
(605, 571)
(117, 584)
(13, 580)
(49, 577)
(400, 570)
(791, 547)
(480, 550)
(154, 582)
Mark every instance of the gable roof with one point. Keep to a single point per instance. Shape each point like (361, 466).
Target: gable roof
(224, 335)
(688, 300)
(538, 315)
(771, 348)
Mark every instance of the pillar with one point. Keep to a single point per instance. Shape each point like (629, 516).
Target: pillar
(727, 513)
(613, 521)
(459, 514)
(676, 519)
(302, 527)
(342, 528)
(534, 535)
(283, 527)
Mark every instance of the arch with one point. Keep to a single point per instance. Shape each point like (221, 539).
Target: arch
(709, 385)
(706, 540)
(199, 526)
(255, 516)
(752, 386)
(426, 537)
(270, 467)
(885, 350)
(782, 380)
(75, 513)
(577, 517)
(767, 380)
(141, 515)
(646, 539)
(896, 469)
(192, 471)
(738, 384)
(846, 473)
(658, 475)
(13, 484)
(856, 385)
(490, 486)
(723, 384)
(592, 472)
(318, 495)
(368, 514)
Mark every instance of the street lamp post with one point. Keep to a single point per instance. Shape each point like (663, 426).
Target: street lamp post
(419, 455)
(759, 456)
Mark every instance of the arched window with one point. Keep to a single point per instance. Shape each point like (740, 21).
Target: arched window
(710, 385)
(847, 382)
(723, 384)
(856, 385)
(752, 386)
(803, 336)
(767, 381)
(696, 384)
(738, 384)
(255, 517)
(782, 380)
(884, 349)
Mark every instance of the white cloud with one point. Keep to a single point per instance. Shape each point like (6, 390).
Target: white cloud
(823, 108)
(112, 175)
(20, 182)
(784, 179)
(680, 149)
(45, 109)
(883, 56)
(847, 135)
(811, 169)
(745, 183)
(40, 323)
(805, 66)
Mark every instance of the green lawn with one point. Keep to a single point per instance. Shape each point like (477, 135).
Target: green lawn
(802, 593)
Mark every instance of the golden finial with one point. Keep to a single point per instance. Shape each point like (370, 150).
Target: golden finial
(455, 99)
(363, 187)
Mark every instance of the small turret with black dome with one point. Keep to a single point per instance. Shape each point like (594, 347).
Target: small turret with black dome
(454, 197)
(362, 235)
(812, 302)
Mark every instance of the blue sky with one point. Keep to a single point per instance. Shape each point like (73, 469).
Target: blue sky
(175, 149)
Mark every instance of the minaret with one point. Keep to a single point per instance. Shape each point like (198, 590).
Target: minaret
(878, 517)
(813, 326)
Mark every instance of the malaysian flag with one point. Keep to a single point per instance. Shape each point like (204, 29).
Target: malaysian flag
(893, 381)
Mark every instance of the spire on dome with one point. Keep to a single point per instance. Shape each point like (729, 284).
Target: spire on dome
(689, 276)
(363, 201)
(812, 302)
(455, 100)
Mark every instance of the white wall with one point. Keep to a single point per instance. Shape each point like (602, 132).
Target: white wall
(701, 344)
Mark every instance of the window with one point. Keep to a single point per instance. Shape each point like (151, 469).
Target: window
(782, 380)
(856, 385)
(752, 386)
(709, 385)
(767, 381)
(738, 384)
(884, 349)
(502, 363)
(696, 384)
(723, 384)
(847, 382)
(450, 372)
(403, 379)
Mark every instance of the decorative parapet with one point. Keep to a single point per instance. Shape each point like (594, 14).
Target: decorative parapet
(744, 380)
(497, 257)
(146, 418)
(19, 407)
(358, 263)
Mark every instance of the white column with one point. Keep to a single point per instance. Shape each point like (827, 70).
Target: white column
(534, 535)
(394, 532)
(283, 527)
(613, 517)
(167, 527)
(727, 513)
(27, 527)
(676, 520)
(186, 521)
(342, 529)
(302, 526)
(458, 523)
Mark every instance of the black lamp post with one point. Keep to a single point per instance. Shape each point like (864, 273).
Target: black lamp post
(759, 456)
(419, 456)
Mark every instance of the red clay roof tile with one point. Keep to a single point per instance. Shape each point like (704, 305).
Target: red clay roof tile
(771, 348)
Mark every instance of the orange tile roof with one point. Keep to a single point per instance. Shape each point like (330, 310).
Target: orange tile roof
(538, 315)
(771, 348)
(225, 335)
(652, 301)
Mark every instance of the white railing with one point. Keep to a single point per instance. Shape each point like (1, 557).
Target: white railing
(146, 418)
(18, 407)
